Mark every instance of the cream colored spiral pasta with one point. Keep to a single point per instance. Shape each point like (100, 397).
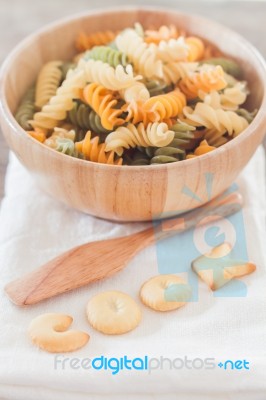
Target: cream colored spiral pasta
(136, 92)
(141, 54)
(58, 106)
(221, 120)
(155, 134)
(163, 33)
(111, 78)
(48, 81)
(229, 99)
(174, 71)
(173, 50)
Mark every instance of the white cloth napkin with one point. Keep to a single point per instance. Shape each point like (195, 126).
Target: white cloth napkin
(34, 228)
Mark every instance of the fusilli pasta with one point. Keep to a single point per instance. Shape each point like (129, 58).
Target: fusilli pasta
(215, 138)
(156, 134)
(56, 110)
(228, 99)
(203, 148)
(87, 41)
(248, 115)
(172, 50)
(163, 33)
(138, 97)
(174, 71)
(229, 66)
(48, 81)
(137, 92)
(38, 134)
(111, 78)
(142, 55)
(167, 105)
(107, 55)
(103, 102)
(196, 48)
(93, 151)
(205, 80)
(82, 116)
(184, 139)
(26, 109)
(60, 133)
(221, 120)
(136, 113)
(156, 87)
(66, 146)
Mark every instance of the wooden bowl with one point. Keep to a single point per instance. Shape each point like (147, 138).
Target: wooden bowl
(136, 193)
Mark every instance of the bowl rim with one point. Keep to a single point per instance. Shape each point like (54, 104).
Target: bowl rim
(10, 119)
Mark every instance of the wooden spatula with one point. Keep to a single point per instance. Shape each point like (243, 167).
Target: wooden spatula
(97, 260)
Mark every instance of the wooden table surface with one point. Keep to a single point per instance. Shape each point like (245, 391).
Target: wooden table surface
(18, 18)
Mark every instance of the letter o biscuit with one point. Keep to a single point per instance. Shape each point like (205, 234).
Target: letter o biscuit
(49, 332)
(113, 313)
(165, 292)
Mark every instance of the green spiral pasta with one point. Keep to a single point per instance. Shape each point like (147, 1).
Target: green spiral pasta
(85, 118)
(185, 136)
(26, 109)
(159, 155)
(248, 115)
(66, 146)
(229, 66)
(156, 87)
(108, 55)
(167, 155)
(139, 157)
(184, 139)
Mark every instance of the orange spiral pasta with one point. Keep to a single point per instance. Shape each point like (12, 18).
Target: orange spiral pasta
(103, 102)
(38, 134)
(85, 42)
(210, 51)
(166, 106)
(196, 48)
(163, 33)
(137, 113)
(93, 151)
(214, 137)
(205, 80)
(203, 148)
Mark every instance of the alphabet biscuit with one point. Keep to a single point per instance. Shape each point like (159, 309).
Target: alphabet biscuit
(113, 313)
(165, 292)
(49, 332)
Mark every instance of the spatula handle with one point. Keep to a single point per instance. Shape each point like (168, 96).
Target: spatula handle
(220, 207)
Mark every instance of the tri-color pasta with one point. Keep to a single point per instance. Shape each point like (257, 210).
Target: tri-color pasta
(137, 97)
